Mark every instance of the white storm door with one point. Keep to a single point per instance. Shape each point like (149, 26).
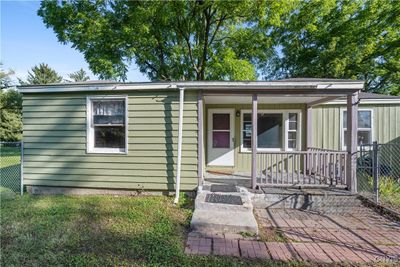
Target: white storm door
(220, 137)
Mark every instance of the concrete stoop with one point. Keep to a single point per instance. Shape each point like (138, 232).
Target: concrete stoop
(223, 218)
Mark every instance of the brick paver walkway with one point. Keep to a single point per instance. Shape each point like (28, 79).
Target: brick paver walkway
(360, 237)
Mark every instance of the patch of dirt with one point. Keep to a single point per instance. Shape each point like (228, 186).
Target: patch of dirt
(268, 233)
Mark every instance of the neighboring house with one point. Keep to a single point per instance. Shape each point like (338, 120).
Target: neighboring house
(109, 135)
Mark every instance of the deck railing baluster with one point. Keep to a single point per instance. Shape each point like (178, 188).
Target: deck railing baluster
(293, 168)
(324, 167)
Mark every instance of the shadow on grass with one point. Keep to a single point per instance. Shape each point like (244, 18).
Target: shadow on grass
(98, 231)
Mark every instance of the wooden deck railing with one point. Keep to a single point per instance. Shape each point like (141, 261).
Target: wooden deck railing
(312, 167)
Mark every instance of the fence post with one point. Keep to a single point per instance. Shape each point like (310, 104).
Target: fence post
(375, 168)
(22, 167)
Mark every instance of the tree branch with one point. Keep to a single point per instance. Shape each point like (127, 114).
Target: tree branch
(217, 28)
(187, 40)
(203, 58)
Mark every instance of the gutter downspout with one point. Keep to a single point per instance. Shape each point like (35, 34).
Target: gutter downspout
(180, 126)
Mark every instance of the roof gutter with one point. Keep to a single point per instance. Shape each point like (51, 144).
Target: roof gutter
(98, 88)
(179, 161)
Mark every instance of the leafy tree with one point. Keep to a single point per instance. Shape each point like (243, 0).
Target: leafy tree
(42, 74)
(5, 80)
(10, 115)
(79, 76)
(10, 108)
(168, 40)
(356, 39)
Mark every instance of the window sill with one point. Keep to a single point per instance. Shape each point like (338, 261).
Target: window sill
(358, 147)
(107, 151)
(247, 151)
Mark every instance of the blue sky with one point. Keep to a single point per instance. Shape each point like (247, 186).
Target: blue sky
(26, 42)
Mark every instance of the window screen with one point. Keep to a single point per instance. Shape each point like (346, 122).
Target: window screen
(269, 130)
(108, 122)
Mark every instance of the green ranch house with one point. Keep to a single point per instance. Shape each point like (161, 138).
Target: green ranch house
(172, 136)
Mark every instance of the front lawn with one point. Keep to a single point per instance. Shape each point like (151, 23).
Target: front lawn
(9, 156)
(10, 159)
(99, 231)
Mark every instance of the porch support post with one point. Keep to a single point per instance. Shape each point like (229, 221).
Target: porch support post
(254, 142)
(309, 127)
(352, 125)
(200, 137)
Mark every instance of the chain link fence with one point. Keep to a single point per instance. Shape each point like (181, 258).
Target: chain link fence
(11, 161)
(378, 173)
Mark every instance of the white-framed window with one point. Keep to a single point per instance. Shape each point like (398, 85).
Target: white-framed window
(293, 130)
(364, 130)
(276, 130)
(107, 124)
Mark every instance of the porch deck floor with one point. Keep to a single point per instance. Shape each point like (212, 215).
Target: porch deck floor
(239, 179)
(278, 180)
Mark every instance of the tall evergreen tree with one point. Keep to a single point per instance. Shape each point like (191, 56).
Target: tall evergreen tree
(42, 74)
(79, 76)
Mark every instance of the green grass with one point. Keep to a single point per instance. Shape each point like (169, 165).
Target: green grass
(10, 168)
(9, 156)
(389, 190)
(101, 231)
(6, 194)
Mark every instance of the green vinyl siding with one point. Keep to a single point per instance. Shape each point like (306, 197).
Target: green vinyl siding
(385, 124)
(55, 143)
(326, 127)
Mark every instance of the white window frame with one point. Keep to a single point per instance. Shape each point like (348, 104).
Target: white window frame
(342, 129)
(90, 129)
(285, 129)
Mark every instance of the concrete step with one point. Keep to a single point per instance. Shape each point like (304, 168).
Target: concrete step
(223, 221)
(201, 204)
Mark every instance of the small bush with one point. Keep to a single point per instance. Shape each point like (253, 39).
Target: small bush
(389, 191)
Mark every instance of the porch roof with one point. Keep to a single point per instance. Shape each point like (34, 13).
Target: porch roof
(306, 86)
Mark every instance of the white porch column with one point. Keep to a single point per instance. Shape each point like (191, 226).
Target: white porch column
(254, 142)
(352, 125)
